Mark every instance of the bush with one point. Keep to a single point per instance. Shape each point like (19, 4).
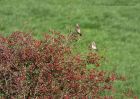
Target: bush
(48, 69)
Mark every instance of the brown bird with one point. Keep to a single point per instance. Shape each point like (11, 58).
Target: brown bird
(93, 46)
(77, 29)
(74, 36)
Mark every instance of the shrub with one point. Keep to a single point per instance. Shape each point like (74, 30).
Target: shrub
(48, 69)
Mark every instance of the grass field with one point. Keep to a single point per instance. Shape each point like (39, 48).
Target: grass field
(113, 24)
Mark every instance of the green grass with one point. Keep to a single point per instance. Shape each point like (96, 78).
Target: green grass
(113, 24)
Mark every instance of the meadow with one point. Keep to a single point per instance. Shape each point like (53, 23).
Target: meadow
(112, 24)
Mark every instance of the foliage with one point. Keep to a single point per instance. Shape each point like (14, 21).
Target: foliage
(49, 69)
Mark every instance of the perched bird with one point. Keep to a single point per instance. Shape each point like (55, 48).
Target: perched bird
(74, 36)
(93, 46)
(77, 29)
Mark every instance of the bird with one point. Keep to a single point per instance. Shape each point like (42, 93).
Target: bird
(74, 36)
(78, 30)
(93, 46)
